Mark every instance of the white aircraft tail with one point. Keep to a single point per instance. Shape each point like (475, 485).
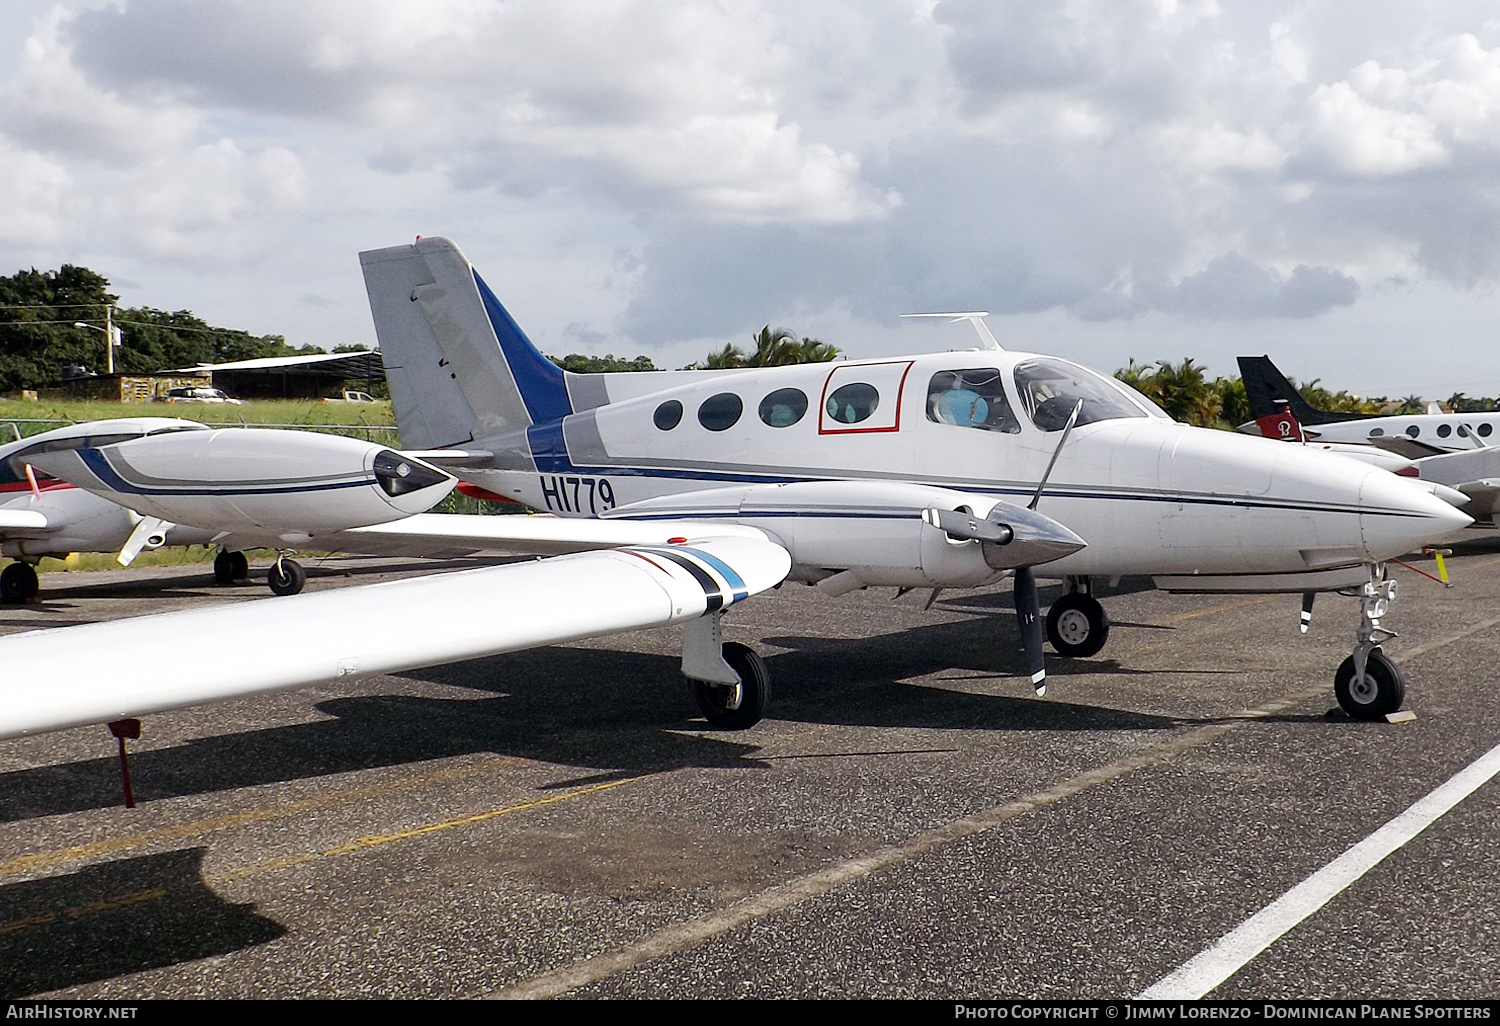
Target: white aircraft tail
(459, 367)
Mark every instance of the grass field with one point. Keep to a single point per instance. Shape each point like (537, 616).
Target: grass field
(373, 421)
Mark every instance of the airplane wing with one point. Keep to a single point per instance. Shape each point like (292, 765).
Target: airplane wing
(1484, 497)
(532, 534)
(1475, 472)
(120, 669)
(1401, 445)
(22, 520)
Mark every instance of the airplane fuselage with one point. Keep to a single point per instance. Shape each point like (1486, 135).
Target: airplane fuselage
(1147, 494)
(1450, 431)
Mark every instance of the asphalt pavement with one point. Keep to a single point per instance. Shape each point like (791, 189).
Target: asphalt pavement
(908, 821)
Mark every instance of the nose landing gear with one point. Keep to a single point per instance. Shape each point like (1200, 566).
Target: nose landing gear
(1368, 684)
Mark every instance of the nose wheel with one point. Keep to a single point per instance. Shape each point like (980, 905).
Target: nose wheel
(18, 582)
(1077, 625)
(1368, 685)
(1370, 695)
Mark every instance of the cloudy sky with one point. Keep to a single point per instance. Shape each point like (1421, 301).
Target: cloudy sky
(1318, 180)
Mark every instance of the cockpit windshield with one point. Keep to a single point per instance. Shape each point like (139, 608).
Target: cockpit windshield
(1049, 389)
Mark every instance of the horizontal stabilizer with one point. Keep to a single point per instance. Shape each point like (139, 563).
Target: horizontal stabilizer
(115, 670)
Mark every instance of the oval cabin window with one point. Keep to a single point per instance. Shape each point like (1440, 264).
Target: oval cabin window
(853, 402)
(783, 407)
(720, 412)
(668, 415)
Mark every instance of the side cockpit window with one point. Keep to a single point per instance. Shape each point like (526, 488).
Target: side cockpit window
(971, 398)
(1049, 389)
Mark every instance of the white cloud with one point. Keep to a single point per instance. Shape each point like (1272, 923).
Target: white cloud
(50, 105)
(1112, 161)
(33, 190)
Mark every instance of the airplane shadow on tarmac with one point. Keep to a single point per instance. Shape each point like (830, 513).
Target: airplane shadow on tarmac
(611, 712)
(118, 917)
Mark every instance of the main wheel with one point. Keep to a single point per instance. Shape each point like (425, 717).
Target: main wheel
(755, 688)
(224, 568)
(18, 582)
(1380, 691)
(286, 577)
(1077, 625)
(241, 564)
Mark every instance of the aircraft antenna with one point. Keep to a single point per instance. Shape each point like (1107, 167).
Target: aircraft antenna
(974, 317)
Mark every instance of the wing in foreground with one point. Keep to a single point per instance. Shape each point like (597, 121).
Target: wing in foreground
(431, 533)
(71, 676)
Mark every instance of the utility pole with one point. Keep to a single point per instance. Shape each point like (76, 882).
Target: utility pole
(109, 338)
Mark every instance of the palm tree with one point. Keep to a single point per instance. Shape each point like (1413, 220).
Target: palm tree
(776, 348)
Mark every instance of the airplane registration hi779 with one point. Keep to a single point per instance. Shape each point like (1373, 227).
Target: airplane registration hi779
(677, 494)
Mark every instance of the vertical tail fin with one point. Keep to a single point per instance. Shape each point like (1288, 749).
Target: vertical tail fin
(1271, 394)
(459, 367)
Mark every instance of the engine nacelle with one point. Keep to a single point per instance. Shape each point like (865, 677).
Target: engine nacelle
(257, 485)
(876, 532)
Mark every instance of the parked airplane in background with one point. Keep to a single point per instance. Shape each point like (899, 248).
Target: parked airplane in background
(1457, 452)
(703, 488)
(43, 516)
(242, 488)
(1412, 435)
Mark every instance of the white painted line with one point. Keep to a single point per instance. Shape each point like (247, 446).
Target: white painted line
(1196, 977)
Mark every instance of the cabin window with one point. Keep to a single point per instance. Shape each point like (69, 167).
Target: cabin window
(1049, 390)
(1376, 432)
(783, 407)
(720, 412)
(1444, 430)
(971, 398)
(1414, 431)
(852, 403)
(1485, 429)
(668, 415)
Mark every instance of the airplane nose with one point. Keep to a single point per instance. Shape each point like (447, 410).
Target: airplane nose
(1396, 516)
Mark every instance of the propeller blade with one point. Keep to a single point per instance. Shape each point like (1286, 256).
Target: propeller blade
(1307, 606)
(1028, 618)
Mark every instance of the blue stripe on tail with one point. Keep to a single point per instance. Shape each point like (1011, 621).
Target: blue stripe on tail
(539, 379)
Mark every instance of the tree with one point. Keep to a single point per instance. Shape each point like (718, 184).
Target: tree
(577, 363)
(778, 348)
(37, 312)
(1182, 390)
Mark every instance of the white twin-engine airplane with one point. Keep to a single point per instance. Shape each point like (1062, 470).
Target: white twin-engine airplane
(132, 484)
(691, 491)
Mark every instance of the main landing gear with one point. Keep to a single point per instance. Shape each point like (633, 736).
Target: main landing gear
(230, 567)
(18, 582)
(1077, 625)
(730, 681)
(1368, 685)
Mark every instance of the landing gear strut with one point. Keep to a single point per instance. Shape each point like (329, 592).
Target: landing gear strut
(18, 582)
(1077, 625)
(1368, 685)
(286, 576)
(730, 680)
